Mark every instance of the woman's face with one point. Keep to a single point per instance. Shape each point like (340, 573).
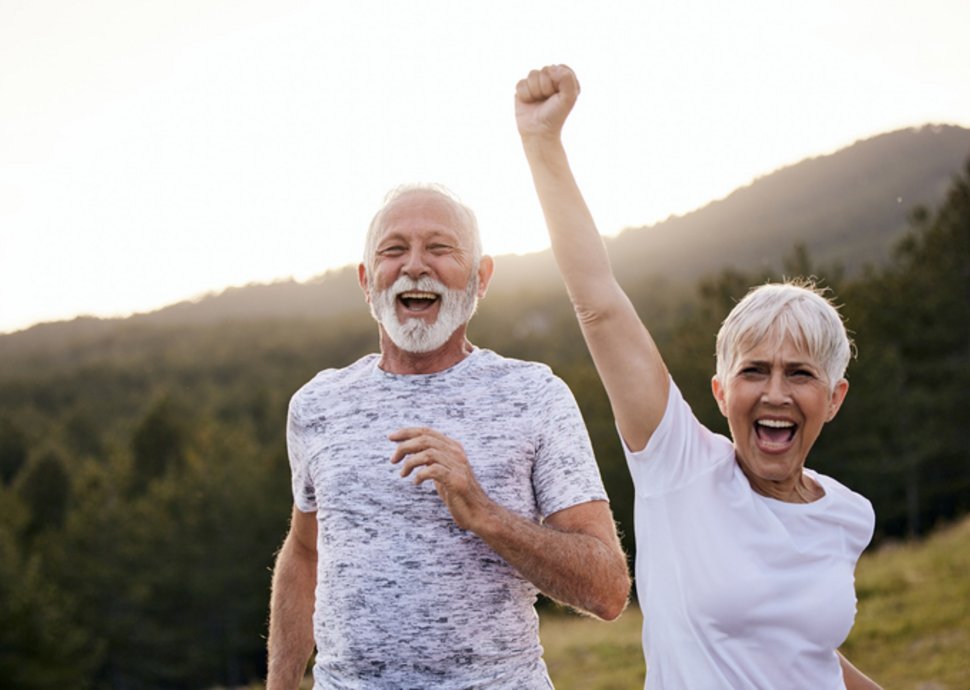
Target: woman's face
(776, 400)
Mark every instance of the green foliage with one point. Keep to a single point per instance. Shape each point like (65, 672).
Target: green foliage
(172, 582)
(41, 645)
(13, 451)
(158, 443)
(913, 321)
(45, 488)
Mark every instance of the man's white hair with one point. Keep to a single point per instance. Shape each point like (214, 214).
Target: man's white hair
(463, 214)
(795, 308)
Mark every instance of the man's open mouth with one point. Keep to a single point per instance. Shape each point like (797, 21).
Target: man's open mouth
(417, 301)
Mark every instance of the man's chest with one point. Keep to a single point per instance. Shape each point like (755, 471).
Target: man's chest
(349, 460)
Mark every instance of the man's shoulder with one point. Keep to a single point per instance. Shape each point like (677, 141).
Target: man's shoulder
(336, 379)
(507, 378)
(498, 365)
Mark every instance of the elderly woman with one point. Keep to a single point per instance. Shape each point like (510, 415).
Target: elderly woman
(745, 558)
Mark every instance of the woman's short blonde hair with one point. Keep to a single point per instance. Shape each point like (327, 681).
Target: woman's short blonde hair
(796, 308)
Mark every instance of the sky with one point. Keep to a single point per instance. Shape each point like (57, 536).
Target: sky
(152, 152)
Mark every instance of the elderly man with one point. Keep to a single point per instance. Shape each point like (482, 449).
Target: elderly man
(437, 487)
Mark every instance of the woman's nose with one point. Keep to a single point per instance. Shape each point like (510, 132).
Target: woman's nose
(777, 389)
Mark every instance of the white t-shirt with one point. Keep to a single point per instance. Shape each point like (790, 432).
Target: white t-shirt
(738, 590)
(405, 598)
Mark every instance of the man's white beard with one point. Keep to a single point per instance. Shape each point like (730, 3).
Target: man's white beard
(415, 334)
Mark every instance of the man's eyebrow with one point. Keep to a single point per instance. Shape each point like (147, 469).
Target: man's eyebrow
(391, 237)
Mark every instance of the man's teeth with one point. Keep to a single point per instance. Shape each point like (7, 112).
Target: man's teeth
(776, 423)
(418, 295)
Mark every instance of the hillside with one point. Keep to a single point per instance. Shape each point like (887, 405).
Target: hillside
(849, 207)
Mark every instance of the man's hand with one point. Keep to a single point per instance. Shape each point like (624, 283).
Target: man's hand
(429, 454)
(544, 99)
(575, 557)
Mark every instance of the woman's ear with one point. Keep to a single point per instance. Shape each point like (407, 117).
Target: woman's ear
(718, 390)
(838, 397)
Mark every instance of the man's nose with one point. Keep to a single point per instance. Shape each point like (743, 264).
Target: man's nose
(415, 265)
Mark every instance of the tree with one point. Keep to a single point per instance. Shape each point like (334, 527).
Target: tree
(45, 487)
(41, 645)
(916, 314)
(158, 443)
(13, 451)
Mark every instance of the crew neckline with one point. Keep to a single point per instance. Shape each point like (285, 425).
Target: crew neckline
(457, 366)
(776, 503)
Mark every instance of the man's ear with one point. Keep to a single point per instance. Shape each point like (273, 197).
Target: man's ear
(363, 281)
(718, 390)
(486, 267)
(838, 397)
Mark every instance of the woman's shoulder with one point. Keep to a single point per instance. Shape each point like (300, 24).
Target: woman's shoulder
(850, 509)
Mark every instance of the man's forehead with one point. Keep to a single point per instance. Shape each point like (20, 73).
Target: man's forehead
(423, 209)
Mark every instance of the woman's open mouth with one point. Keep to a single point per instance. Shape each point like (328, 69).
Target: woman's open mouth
(775, 432)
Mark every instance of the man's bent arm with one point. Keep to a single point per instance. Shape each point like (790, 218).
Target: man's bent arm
(291, 604)
(574, 557)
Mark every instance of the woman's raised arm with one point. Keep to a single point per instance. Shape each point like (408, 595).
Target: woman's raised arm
(625, 355)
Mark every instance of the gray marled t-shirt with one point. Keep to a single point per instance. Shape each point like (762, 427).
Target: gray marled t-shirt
(406, 598)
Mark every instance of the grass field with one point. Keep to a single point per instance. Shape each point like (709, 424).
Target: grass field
(586, 654)
(912, 631)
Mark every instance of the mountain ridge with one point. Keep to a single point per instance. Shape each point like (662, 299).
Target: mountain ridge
(847, 207)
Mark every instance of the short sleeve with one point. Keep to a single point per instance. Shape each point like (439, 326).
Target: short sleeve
(297, 429)
(678, 450)
(565, 472)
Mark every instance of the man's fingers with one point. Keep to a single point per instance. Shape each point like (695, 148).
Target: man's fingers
(414, 440)
(408, 447)
(425, 457)
(426, 465)
(433, 472)
(410, 432)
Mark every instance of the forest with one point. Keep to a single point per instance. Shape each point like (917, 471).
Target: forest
(144, 484)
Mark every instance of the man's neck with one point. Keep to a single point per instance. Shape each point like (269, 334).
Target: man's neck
(397, 361)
